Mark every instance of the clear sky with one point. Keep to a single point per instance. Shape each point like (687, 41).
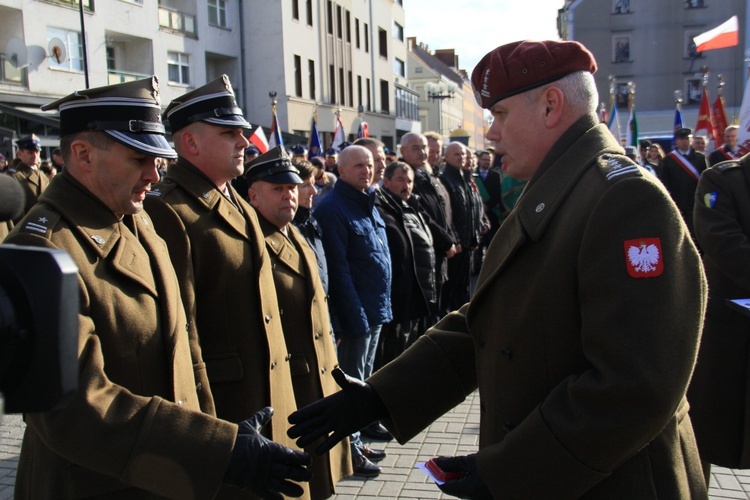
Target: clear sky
(474, 27)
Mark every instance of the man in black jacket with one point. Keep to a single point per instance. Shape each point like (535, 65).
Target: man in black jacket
(412, 262)
(436, 202)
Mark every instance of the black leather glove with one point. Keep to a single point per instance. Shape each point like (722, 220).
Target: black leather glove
(335, 417)
(262, 466)
(468, 486)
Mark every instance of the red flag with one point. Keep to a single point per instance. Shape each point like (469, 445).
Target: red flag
(258, 139)
(720, 121)
(724, 35)
(704, 125)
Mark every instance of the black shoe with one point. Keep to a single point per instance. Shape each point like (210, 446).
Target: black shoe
(364, 468)
(377, 432)
(372, 455)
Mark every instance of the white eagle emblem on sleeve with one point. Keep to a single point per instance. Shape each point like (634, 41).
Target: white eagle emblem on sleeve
(644, 258)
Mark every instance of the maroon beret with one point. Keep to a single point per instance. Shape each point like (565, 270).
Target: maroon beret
(520, 66)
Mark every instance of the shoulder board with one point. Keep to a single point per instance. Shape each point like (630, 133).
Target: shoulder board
(13, 170)
(161, 188)
(615, 167)
(40, 220)
(726, 165)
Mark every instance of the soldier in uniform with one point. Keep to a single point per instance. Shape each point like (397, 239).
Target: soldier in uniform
(581, 363)
(219, 253)
(302, 301)
(722, 228)
(27, 172)
(141, 424)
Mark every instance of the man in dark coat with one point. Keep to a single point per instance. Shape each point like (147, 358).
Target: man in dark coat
(719, 393)
(27, 173)
(728, 151)
(581, 364)
(682, 169)
(412, 262)
(465, 220)
(437, 204)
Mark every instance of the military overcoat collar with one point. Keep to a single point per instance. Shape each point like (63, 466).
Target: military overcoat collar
(574, 154)
(102, 232)
(285, 249)
(195, 182)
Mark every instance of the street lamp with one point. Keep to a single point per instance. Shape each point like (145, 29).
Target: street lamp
(441, 90)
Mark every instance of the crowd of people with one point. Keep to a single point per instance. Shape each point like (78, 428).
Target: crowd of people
(226, 293)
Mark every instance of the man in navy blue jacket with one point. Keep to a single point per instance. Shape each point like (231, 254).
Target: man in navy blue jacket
(360, 285)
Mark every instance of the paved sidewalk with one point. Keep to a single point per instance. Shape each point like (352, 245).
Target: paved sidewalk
(456, 433)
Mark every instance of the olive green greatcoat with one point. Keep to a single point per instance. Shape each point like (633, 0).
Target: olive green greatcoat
(581, 368)
(33, 183)
(309, 339)
(219, 253)
(134, 429)
(719, 393)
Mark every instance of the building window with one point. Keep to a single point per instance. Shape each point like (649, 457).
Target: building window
(332, 83)
(176, 21)
(339, 22)
(385, 106)
(73, 45)
(309, 12)
(622, 95)
(349, 80)
(111, 65)
(621, 7)
(297, 76)
(359, 91)
(694, 4)
(691, 50)
(329, 16)
(87, 4)
(217, 13)
(693, 91)
(398, 31)
(621, 48)
(342, 84)
(311, 77)
(356, 32)
(348, 27)
(369, 97)
(178, 68)
(383, 43)
(399, 67)
(295, 10)
(367, 38)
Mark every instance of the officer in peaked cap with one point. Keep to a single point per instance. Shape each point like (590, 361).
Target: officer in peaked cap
(33, 182)
(580, 267)
(133, 320)
(302, 300)
(299, 152)
(332, 161)
(214, 103)
(224, 270)
(274, 166)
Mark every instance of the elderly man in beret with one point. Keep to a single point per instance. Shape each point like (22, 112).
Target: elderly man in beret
(218, 249)
(142, 424)
(581, 364)
(27, 173)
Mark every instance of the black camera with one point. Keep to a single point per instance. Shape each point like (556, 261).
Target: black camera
(38, 323)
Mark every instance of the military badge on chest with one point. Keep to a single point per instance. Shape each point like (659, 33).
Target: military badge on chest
(643, 257)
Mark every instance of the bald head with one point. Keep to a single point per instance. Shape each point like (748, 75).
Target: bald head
(356, 167)
(455, 155)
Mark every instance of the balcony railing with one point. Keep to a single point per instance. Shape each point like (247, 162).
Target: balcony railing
(114, 77)
(177, 21)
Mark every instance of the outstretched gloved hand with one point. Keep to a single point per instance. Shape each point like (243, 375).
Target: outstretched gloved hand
(262, 466)
(469, 485)
(335, 417)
